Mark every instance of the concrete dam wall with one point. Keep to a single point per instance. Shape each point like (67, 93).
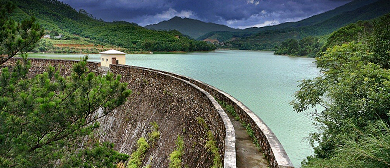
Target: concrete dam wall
(177, 104)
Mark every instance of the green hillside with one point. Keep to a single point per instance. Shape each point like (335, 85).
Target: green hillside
(353, 89)
(56, 16)
(191, 27)
(323, 24)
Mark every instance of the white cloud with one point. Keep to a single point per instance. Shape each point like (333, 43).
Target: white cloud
(172, 12)
(253, 2)
(267, 23)
(256, 20)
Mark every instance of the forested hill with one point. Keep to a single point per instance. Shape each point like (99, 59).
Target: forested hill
(323, 24)
(56, 16)
(191, 27)
(354, 92)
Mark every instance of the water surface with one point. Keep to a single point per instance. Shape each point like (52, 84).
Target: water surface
(264, 82)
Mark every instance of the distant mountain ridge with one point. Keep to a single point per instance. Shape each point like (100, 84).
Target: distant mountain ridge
(191, 27)
(317, 25)
(266, 38)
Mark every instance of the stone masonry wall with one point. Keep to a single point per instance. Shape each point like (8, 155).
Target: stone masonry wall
(270, 144)
(201, 107)
(173, 104)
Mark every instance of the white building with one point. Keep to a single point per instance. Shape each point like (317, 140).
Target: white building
(112, 57)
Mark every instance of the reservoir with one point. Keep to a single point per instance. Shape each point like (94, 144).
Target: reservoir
(264, 82)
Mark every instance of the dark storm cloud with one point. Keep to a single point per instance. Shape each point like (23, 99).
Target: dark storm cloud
(234, 13)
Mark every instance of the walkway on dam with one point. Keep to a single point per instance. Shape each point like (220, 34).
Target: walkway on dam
(248, 155)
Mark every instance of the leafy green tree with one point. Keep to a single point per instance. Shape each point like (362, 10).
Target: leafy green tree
(16, 37)
(357, 32)
(308, 46)
(353, 90)
(381, 42)
(45, 120)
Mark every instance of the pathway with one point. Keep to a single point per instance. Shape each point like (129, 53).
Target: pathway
(248, 155)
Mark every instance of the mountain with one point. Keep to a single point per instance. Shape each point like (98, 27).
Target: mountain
(56, 16)
(266, 38)
(316, 19)
(191, 27)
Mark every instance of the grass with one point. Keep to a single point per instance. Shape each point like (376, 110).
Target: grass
(176, 156)
(143, 146)
(212, 147)
(211, 144)
(138, 156)
(230, 109)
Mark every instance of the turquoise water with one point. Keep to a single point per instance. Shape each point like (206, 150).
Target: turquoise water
(264, 82)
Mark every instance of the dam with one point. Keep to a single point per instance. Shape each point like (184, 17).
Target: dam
(175, 103)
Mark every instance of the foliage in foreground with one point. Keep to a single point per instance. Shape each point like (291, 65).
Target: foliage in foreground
(48, 120)
(43, 120)
(354, 90)
(16, 37)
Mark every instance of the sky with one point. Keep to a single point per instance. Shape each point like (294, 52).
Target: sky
(233, 13)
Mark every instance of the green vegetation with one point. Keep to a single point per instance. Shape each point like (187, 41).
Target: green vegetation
(75, 25)
(176, 156)
(81, 45)
(16, 37)
(143, 146)
(98, 155)
(211, 144)
(44, 119)
(354, 91)
(308, 46)
(138, 156)
(155, 134)
(358, 32)
(230, 109)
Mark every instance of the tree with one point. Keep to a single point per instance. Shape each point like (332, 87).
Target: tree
(381, 42)
(16, 37)
(308, 46)
(46, 120)
(354, 90)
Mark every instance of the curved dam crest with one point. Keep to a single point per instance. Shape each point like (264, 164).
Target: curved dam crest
(264, 82)
(174, 102)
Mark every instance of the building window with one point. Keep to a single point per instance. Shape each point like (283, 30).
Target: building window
(106, 60)
(102, 59)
